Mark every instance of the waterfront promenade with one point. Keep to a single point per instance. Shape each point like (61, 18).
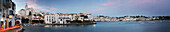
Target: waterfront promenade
(12, 29)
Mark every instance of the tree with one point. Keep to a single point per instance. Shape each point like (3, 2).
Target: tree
(39, 15)
(35, 15)
(81, 15)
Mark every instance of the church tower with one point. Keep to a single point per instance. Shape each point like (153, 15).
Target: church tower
(26, 6)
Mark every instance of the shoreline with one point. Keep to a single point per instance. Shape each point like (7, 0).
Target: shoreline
(128, 21)
(72, 24)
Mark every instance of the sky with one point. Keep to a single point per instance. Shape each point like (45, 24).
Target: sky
(113, 8)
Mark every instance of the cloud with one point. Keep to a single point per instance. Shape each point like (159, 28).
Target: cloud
(64, 10)
(130, 2)
(98, 9)
(46, 10)
(111, 3)
(53, 9)
(32, 4)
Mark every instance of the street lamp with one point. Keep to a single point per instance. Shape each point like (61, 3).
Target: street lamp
(10, 16)
(2, 19)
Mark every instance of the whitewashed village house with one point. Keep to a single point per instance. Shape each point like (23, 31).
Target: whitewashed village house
(7, 13)
(27, 12)
(59, 18)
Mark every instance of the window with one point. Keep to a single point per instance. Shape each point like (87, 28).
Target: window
(5, 1)
(11, 12)
(47, 17)
(0, 10)
(85, 16)
(49, 20)
(60, 19)
(52, 19)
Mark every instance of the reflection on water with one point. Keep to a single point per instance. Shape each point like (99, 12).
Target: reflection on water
(94, 25)
(131, 26)
(61, 25)
(46, 25)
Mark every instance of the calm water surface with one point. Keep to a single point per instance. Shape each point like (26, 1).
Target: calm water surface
(131, 26)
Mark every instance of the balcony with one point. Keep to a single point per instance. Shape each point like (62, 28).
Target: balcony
(1, 12)
(13, 6)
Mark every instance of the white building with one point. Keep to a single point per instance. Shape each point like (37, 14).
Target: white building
(63, 18)
(27, 12)
(7, 13)
(85, 17)
(38, 16)
(51, 18)
(59, 18)
(128, 18)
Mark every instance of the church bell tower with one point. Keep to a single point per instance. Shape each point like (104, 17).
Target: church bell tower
(26, 6)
